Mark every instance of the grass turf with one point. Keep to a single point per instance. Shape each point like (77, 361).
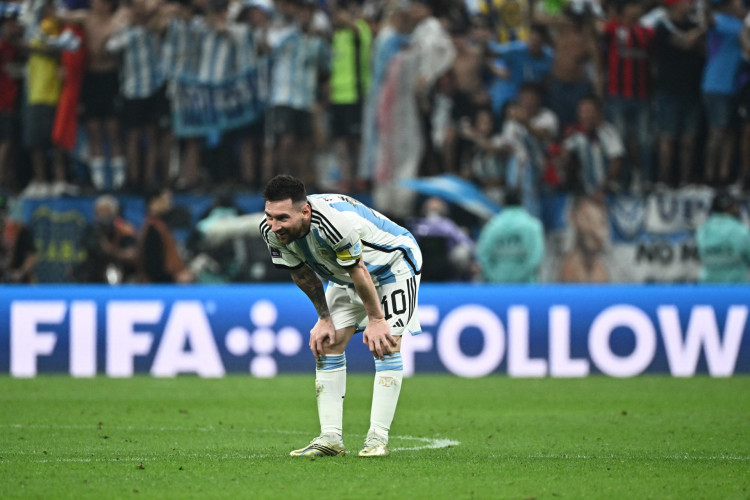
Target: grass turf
(645, 437)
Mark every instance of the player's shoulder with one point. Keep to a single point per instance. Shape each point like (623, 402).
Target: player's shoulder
(325, 217)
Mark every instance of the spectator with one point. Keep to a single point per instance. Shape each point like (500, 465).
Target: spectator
(18, 255)
(719, 86)
(404, 123)
(300, 64)
(593, 152)
(743, 179)
(44, 86)
(11, 33)
(627, 47)
(519, 62)
(679, 50)
(184, 28)
(391, 39)
(444, 244)
(72, 59)
(469, 71)
(350, 79)
(585, 263)
(724, 243)
(543, 124)
(143, 92)
(159, 260)
(255, 168)
(110, 245)
(100, 94)
(434, 54)
(485, 161)
(576, 68)
(510, 248)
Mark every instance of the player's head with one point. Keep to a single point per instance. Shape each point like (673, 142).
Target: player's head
(725, 203)
(284, 187)
(287, 211)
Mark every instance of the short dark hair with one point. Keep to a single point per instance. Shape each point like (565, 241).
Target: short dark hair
(284, 187)
(152, 193)
(723, 203)
(593, 99)
(541, 30)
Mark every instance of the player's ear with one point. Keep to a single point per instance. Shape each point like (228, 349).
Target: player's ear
(306, 209)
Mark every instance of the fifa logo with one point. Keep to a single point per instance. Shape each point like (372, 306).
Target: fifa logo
(386, 381)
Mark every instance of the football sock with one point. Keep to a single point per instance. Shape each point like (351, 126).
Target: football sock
(389, 374)
(96, 168)
(119, 175)
(330, 388)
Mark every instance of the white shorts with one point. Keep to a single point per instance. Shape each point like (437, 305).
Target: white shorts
(398, 301)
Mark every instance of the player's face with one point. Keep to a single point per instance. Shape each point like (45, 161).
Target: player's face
(289, 221)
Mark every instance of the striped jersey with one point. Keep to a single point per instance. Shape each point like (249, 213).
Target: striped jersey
(181, 46)
(142, 74)
(298, 60)
(226, 54)
(342, 232)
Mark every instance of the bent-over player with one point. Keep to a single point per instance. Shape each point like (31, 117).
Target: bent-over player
(372, 266)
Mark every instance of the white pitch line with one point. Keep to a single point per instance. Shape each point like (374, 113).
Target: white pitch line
(427, 443)
(684, 456)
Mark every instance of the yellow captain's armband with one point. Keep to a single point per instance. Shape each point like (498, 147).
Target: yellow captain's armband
(350, 253)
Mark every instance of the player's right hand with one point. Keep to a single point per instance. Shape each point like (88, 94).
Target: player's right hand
(323, 334)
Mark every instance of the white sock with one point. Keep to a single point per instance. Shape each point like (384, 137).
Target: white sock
(388, 377)
(97, 172)
(330, 388)
(119, 176)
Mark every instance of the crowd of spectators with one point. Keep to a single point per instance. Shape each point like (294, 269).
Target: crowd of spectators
(582, 96)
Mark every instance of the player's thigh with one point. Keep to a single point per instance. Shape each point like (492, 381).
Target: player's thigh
(399, 303)
(345, 307)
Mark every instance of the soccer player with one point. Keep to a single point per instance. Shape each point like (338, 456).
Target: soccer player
(372, 266)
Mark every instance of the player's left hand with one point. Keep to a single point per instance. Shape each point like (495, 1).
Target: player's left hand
(377, 336)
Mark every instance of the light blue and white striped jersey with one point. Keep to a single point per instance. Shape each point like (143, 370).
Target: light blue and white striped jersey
(342, 231)
(224, 55)
(181, 47)
(298, 59)
(595, 153)
(142, 73)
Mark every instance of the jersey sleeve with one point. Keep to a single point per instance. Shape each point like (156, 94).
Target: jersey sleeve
(348, 253)
(281, 256)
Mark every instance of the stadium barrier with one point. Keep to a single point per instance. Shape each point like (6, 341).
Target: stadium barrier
(468, 330)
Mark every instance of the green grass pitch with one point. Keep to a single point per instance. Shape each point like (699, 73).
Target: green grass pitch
(495, 437)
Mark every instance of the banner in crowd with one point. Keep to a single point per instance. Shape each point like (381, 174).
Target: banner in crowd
(467, 330)
(626, 239)
(203, 109)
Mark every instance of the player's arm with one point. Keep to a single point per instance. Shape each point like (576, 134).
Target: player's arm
(323, 332)
(377, 335)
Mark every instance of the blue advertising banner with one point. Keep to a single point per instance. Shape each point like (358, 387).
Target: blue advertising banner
(468, 330)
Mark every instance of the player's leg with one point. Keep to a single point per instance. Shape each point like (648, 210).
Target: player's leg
(399, 303)
(330, 377)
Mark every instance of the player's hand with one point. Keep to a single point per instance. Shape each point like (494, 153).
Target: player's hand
(378, 338)
(323, 334)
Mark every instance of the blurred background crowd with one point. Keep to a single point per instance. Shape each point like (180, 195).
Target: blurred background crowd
(583, 119)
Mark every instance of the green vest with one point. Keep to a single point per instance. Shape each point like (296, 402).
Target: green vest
(724, 249)
(350, 66)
